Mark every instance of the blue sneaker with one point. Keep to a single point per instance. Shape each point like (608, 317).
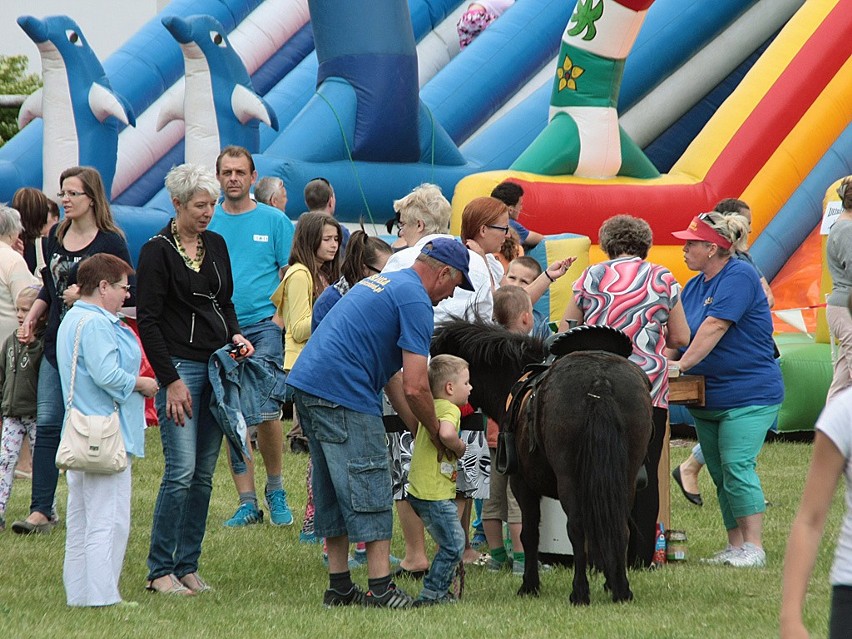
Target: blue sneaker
(279, 511)
(479, 542)
(246, 515)
(308, 538)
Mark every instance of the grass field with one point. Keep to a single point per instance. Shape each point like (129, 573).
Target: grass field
(268, 585)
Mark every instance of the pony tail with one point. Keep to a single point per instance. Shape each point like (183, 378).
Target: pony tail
(602, 460)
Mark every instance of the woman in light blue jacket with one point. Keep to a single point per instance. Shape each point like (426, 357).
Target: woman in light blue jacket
(107, 376)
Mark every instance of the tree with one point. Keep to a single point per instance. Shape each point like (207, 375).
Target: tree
(14, 80)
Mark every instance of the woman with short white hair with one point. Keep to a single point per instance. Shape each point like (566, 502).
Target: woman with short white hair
(14, 274)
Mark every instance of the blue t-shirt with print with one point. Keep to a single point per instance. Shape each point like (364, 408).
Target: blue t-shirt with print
(741, 369)
(259, 243)
(358, 346)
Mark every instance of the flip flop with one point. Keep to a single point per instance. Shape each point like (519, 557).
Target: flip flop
(175, 588)
(411, 574)
(693, 498)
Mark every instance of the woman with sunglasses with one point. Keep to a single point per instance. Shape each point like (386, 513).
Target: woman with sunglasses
(732, 347)
(87, 228)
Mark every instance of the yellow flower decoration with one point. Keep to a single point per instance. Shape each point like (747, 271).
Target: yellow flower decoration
(567, 74)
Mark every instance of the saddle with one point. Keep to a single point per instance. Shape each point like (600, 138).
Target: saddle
(521, 401)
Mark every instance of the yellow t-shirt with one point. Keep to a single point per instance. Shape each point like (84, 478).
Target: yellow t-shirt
(428, 478)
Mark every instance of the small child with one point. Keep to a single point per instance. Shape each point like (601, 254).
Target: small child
(432, 483)
(18, 380)
(522, 272)
(513, 310)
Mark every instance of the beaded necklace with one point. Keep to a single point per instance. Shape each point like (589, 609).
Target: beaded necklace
(194, 264)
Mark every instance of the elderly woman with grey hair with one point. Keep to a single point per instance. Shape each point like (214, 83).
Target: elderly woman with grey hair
(185, 314)
(14, 273)
(641, 299)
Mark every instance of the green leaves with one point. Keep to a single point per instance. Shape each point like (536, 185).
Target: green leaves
(585, 16)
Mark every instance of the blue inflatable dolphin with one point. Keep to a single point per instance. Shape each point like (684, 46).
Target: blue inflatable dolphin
(81, 112)
(218, 103)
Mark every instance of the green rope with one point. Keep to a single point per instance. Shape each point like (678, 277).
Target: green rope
(351, 161)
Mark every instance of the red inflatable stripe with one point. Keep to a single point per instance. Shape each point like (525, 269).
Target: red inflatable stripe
(635, 5)
(784, 104)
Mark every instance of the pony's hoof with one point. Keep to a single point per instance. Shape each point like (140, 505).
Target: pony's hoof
(623, 598)
(528, 591)
(579, 601)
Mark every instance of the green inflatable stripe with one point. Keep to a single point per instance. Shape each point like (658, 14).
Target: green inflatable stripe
(555, 151)
(585, 79)
(807, 371)
(634, 162)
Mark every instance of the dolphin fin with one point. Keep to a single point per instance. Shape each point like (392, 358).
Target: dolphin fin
(247, 106)
(172, 108)
(30, 109)
(104, 103)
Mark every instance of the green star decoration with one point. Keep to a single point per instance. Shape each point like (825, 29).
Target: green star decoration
(586, 14)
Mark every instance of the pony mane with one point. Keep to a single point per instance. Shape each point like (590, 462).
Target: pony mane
(484, 344)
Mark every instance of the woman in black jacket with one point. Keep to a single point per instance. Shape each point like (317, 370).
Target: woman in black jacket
(185, 313)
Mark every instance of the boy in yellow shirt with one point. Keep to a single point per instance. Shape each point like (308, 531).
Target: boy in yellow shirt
(432, 481)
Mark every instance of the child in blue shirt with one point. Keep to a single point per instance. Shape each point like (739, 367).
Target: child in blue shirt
(432, 482)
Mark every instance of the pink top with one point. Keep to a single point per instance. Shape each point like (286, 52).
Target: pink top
(635, 297)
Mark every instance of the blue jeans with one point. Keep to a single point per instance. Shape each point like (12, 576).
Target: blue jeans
(441, 519)
(51, 413)
(351, 476)
(265, 336)
(190, 452)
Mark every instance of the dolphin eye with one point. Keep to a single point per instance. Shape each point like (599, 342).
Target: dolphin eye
(73, 38)
(218, 39)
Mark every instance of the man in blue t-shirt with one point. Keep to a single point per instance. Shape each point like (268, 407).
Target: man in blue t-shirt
(259, 238)
(383, 324)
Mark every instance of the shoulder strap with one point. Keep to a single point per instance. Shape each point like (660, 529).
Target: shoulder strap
(74, 363)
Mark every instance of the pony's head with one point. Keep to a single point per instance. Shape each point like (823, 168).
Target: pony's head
(496, 358)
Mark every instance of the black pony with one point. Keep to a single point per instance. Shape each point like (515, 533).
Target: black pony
(582, 440)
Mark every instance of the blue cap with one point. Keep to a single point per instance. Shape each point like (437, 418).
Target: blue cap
(453, 254)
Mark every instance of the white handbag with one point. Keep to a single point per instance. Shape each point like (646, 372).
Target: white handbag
(90, 443)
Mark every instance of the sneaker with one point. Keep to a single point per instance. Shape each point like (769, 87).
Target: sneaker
(518, 568)
(478, 542)
(749, 556)
(246, 515)
(308, 538)
(352, 564)
(446, 598)
(393, 598)
(332, 598)
(360, 558)
(279, 511)
(497, 566)
(721, 557)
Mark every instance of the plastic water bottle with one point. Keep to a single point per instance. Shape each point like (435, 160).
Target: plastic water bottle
(660, 546)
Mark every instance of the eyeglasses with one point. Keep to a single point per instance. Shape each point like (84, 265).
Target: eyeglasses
(505, 229)
(126, 287)
(62, 194)
(399, 226)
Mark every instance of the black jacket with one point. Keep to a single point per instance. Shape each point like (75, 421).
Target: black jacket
(182, 313)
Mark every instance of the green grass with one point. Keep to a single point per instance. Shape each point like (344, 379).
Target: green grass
(268, 585)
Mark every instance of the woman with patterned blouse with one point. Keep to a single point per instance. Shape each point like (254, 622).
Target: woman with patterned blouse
(641, 299)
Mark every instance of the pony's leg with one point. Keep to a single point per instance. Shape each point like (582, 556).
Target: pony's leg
(620, 586)
(530, 504)
(577, 535)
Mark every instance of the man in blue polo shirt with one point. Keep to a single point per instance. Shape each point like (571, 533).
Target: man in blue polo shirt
(383, 324)
(259, 238)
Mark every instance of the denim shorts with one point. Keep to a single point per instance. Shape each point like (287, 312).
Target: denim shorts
(265, 336)
(351, 475)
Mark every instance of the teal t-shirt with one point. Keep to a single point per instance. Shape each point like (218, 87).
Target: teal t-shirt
(259, 243)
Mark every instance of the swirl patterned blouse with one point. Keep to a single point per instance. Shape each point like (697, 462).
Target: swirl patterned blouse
(635, 297)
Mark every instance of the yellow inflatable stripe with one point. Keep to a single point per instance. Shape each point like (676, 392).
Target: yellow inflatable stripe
(559, 249)
(706, 147)
(820, 126)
